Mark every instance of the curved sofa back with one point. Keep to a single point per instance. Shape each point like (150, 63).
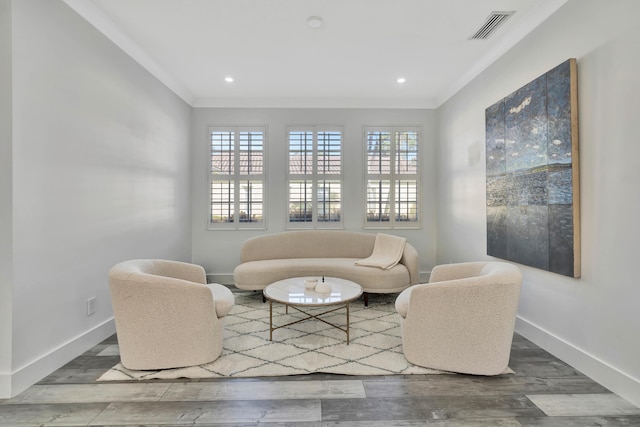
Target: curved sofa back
(308, 244)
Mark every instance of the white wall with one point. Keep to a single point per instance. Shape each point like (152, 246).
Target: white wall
(100, 174)
(99, 171)
(6, 221)
(219, 251)
(592, 322)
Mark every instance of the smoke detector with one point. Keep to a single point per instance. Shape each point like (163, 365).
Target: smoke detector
(315, 21)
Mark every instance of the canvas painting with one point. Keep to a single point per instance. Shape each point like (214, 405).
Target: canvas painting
(533, 174)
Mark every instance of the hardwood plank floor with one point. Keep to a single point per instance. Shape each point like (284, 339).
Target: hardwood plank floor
(543, 392)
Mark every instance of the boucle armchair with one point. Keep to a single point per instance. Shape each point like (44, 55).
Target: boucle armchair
(463, 319)
(166, 315)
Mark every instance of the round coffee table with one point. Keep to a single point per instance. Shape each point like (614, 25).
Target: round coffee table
(292, 293)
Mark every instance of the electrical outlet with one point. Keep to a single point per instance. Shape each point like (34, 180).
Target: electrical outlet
(91, 306)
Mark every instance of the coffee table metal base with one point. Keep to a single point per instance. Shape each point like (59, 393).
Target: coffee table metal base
(293, 292)
(309, 316)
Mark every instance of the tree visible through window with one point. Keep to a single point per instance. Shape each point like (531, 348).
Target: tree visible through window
(237, 177)
(392, 180)
(315, 177)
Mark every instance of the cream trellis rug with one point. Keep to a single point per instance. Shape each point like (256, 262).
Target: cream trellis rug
(311, 346)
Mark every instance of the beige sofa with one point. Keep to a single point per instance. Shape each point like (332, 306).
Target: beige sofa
(271, 257)
(166, 315)
(463, 319)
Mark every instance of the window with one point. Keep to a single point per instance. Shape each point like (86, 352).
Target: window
(315, 178)
(237, 179)
(392, 178)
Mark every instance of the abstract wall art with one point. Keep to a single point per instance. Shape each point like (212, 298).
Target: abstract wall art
(533, 205)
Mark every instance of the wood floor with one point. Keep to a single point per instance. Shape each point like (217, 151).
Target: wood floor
(543, 392)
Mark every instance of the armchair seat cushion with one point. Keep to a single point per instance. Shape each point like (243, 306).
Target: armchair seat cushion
(223, 299)
(402, 302)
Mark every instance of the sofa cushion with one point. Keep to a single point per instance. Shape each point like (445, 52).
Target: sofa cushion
(255, 275)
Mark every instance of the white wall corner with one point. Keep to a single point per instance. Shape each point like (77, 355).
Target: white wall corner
(92, 14)
(424, 276)
(622, 384)
(5, 385)
(27, 375)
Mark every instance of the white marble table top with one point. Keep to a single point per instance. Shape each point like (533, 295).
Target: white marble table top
(292, 292)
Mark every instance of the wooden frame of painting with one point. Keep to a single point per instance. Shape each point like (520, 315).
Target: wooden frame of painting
(533, 204)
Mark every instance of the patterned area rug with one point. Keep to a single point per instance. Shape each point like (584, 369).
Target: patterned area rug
(310, 346)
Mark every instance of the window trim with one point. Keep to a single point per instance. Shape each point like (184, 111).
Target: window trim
(314, 177)
(393, 178)
(236, 177)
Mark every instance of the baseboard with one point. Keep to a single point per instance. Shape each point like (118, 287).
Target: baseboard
(26, 376)
(223, 279)
(622, 384)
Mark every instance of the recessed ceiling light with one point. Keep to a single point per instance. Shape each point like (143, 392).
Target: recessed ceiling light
(401, 80)
(314, 21)
(228, 79)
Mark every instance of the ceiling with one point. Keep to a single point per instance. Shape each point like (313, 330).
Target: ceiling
(277, 60)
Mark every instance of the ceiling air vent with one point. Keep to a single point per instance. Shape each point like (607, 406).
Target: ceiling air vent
(491, 24)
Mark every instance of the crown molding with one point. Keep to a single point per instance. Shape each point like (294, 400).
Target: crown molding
(313, 103)
(543, 10)
(92, 14)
